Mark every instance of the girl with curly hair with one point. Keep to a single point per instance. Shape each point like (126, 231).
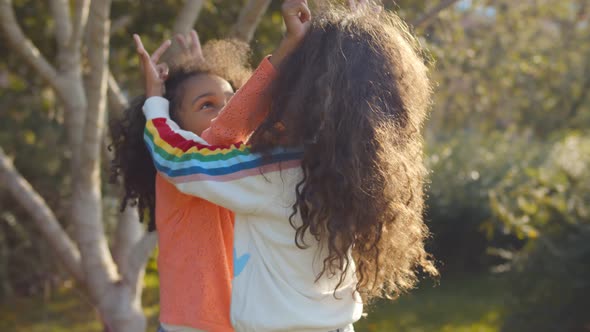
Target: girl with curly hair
(195, 237)
(328, 191)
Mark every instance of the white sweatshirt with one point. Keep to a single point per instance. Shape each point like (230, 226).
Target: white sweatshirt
(274, 287)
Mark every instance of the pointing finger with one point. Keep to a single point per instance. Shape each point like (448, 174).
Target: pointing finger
(158, 53)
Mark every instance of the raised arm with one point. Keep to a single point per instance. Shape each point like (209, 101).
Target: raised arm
(245, 110)
(248, 108)
(229, 176)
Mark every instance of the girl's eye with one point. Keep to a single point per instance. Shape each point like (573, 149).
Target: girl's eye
(206, 106)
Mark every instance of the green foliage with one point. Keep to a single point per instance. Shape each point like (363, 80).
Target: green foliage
(505, 64)
(535, 192)
(549, 208)
(465, 167)
(31, 131)
(553, 196)
(551, 283)
(511, 76)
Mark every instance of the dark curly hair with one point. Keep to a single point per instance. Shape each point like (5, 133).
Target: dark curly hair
(355, 95)
(132, 161)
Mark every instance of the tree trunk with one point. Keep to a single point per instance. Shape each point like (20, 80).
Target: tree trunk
(184, 23)
(116, 294)
(113, 280)
(187, 17)
(249, 19)
(118, 302)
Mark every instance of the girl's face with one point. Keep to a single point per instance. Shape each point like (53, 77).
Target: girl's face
(204, 96)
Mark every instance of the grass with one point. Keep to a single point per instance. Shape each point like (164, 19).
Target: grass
(64, 310)
(458, 304)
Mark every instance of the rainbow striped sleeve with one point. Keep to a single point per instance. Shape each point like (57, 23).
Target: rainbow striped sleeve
(230, 176)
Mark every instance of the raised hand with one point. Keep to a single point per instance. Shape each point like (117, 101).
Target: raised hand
(190, 45)
(154, 73)
(297, 17)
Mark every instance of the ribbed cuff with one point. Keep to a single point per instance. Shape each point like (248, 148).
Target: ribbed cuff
(156, 107)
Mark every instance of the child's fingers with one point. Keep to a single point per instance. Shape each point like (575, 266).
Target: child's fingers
(158, 53)
(297, 8)
(352, 4)
(163, 70)
(305, 13)
(292, 7)
(139, 45)
(180, 38)
(144, 56)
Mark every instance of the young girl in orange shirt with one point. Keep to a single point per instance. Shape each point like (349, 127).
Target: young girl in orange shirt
(195, 237)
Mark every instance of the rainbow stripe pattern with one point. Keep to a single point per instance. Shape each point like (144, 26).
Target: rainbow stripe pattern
(184, 160)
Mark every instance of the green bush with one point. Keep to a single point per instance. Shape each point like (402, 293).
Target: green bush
(525, 200)
(551, 274)
(551, 283)
(466, 166)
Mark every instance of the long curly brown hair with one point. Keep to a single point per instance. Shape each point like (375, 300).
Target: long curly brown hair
(132, 161)
(355, 95)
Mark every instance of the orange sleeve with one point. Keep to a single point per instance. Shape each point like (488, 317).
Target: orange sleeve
(245, 110)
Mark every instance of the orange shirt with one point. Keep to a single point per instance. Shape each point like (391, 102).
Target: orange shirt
(195, 237)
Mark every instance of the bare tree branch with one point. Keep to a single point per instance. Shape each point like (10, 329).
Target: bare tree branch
(187, 17)
(63, 24)
(249, 19)
(25, 48)
(98, 263)
(80, 21)
(129, 231)
(97, 81)
(68, 58)
(184, 22)
(138, 257)
(117, 100)
(42, 215)
(427, 18)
